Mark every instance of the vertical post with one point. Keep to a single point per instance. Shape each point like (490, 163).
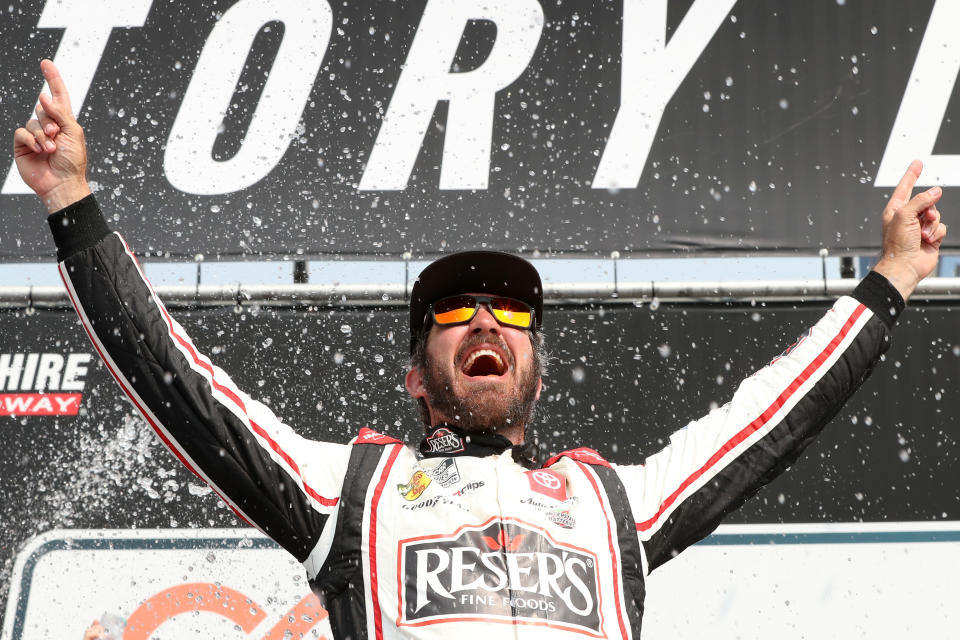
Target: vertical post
(823, 264)
(196, 291)
(847, 269)
(300, 273)
(406, 274)
(615, 255)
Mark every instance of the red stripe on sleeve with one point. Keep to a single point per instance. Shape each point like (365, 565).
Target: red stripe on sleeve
(759, 422)
(143, 412)
(229, 393)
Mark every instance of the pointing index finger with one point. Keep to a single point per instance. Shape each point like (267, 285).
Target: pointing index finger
(905, 187)
(55, 81)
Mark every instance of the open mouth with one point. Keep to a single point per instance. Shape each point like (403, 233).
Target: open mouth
(484, 362)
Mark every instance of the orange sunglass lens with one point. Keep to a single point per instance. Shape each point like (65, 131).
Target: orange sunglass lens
(454, 310)
(511, 312)
(513, 318)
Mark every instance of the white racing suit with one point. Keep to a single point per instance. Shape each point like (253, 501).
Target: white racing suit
(466, 542)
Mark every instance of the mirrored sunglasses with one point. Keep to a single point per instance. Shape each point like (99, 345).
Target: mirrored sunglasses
(462, 308)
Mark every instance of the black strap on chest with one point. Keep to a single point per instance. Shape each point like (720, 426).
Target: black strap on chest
(631, 564)
(339, 583)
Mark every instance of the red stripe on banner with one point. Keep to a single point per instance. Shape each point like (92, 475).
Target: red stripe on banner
(40, 404)
(613, 551)
(327, 502)
(762, 419)
(374, 503)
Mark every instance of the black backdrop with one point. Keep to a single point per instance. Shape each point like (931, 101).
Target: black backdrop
(621, 380)
(771, 142)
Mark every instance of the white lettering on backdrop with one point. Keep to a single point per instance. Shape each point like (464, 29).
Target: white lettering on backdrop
(924, 105)
(651, 72)
(427, 79)
(188, 160)
(87, 27)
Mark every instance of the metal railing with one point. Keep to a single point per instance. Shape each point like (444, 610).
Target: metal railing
(395, 294)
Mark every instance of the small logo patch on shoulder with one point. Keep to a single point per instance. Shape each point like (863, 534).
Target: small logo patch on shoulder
(369, 436)
(548, 482)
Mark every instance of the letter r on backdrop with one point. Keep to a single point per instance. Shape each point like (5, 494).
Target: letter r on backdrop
(427, 79)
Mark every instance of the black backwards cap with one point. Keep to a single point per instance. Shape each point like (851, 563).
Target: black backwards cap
(489, 272)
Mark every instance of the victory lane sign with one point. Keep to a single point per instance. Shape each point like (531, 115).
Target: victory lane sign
(382, 127)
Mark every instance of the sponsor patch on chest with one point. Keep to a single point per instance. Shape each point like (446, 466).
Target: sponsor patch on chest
(419, 482)
(445, 472)
(559, 513)
(444, 441)
(499, 571)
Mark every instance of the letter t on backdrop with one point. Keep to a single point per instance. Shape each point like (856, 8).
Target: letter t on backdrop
(87, 26)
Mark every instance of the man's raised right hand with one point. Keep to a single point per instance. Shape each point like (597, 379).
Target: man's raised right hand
(50, 150)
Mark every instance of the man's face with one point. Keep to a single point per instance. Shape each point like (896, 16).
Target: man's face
(481, 375)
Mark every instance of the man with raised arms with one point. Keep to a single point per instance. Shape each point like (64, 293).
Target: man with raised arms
(464, 534)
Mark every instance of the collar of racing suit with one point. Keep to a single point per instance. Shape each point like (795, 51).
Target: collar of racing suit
(445, 440)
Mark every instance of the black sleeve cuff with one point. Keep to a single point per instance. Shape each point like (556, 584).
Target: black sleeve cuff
(881, 297)
(77, 227)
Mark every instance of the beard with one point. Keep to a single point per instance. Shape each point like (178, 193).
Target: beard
(480, 407)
